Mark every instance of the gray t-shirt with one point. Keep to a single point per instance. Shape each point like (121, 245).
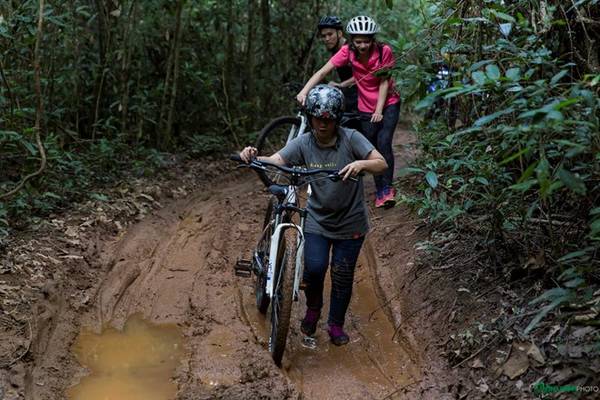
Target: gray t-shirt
(336, 210)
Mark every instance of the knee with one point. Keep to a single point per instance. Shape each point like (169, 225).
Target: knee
(342, 278)
(343, 273)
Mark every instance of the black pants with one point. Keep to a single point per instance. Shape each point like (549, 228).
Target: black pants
(344, 253)
(380, 134)
(350, 99)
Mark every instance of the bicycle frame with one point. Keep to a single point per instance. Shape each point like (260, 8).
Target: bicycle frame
(289, 204)
(302, 128)
(277, 282)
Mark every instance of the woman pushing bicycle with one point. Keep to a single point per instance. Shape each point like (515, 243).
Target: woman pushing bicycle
(378, 101)
(337, 220)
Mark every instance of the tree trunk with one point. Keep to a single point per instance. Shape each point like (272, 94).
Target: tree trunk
(39, 109)
(140, 113)
(103, 45)
(164, 100)
(101, 34)
(126, 65)
(306, 53)
(250, 58)
(229, 56)
(8, 90)
(177, 49)
(77, 73)
(265, 16)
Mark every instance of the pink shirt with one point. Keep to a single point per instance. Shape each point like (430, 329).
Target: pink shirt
(367, 83)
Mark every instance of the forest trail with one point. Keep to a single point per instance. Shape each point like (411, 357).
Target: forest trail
(177, 267)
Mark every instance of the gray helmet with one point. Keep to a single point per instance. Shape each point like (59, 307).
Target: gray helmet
(324, 101)
(362, 25)
(330, 21)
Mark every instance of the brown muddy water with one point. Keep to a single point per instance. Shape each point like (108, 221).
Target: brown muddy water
(137, 363)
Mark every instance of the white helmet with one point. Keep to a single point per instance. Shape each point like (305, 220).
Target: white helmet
(362, 25)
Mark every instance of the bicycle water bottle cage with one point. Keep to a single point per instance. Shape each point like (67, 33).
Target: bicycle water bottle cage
(279, 191)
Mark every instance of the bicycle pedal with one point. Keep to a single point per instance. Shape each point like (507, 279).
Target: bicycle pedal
(309, 342)
(243, 268)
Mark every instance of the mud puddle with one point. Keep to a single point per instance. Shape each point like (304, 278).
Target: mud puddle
(372, 365)
(135, 363)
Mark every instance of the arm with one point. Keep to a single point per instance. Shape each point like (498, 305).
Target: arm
(347, 83)
(374, 164)
(384, 86)
(316, 78)
(387, 61)
(249, 153)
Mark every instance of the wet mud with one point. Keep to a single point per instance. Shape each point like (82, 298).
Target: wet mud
(176, 267)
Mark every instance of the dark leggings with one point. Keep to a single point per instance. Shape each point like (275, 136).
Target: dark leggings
(380, 134)
(343, 260)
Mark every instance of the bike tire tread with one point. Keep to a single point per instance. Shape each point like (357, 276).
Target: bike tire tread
(280, 339)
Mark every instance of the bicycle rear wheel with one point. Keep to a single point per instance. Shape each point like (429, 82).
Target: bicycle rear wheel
(272, 138)
(281, 305)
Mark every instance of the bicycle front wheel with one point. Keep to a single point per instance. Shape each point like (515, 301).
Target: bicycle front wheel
(281, 304)
(273, 137)
(262, 299)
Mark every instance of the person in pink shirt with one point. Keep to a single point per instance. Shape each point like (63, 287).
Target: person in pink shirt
(378, 100)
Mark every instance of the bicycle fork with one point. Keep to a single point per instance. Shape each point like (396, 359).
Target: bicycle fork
(273, 257)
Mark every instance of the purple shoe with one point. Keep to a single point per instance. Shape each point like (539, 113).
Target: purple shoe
(378, 198)
(388, 198)
(337, 335)
(309, 323)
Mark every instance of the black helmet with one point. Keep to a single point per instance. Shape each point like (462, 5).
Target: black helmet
(324, 101)
(330, 21)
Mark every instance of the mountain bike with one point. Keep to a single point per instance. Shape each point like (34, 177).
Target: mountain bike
(280, 131)
(441, 108)
(277, 259)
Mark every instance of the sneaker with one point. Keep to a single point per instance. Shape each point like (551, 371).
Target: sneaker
(337, 335)
(308, 326)
(388, 198)
(379, 199)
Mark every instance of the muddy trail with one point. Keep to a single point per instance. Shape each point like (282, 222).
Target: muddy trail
(175, 267)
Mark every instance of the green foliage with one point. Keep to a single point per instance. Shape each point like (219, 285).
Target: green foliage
(572, 290)
(71, 174)
(521, 165)
(201, 145)
(116, 82)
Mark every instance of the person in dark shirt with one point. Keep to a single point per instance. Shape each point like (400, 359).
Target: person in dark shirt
(332, 34)
(337, 219)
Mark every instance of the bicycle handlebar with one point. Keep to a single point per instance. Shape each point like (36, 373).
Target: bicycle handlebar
(333, 174)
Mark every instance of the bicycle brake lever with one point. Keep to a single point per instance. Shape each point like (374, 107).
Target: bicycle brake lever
(338, 177)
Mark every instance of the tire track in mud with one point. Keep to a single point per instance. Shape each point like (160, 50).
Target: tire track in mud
(177, 267)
